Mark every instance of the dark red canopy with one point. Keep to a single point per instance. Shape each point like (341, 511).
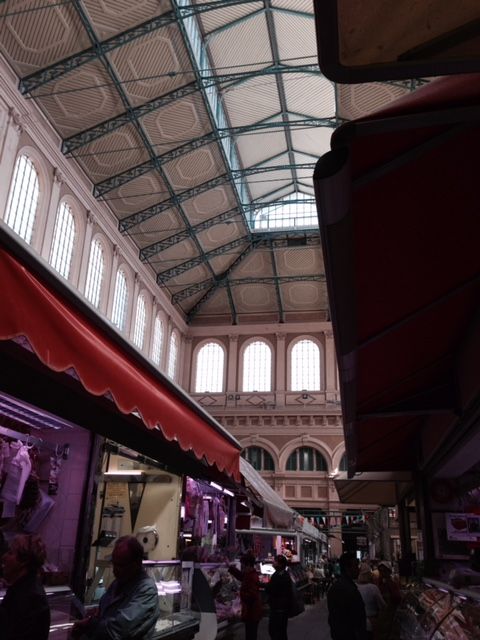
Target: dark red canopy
(67, 340)
(399, 215)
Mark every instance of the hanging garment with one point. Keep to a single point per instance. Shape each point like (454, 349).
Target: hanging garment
(18, 470)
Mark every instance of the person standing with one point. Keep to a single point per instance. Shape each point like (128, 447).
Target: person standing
(249, 595)
(346, 611)
(392, 595)
(129, 608)
(372, 598)
(24, 611)
(279, 591)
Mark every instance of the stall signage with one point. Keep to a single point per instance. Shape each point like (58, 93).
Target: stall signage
(463, 526)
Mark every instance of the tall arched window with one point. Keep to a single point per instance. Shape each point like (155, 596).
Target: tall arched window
(120, 300)
(23, 198)
(259, 458)
(140, 322)
(305, 366)
(96, 267)
(343, 466)
(257, 367)
(172, 356)
(306, 459)
(210, 368)
(157, 341)
(61, 251)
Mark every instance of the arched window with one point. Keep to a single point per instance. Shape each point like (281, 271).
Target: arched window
(23, 198)
(257, 367)
(306, 459)
(96, 267)
(140, 322)
(120, 300)
(210, 367)
(172, 356)
(61, 251)
(157, 341)
(305, 366)
(259, 458)
(343, 466)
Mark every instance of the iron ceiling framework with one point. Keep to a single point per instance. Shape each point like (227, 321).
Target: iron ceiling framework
(199, 250)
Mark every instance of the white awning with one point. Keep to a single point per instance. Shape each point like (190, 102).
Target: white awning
(384, 488)
(276, 512)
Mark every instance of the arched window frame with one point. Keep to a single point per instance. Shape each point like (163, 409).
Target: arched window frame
(242, 363)
(44, 189)
(121, 321)
(263, 454)
(66, 202)
(80, 216)
(316, 453)
(196, 354)
(107, 257)
(320, 346)
(140, 331)
(161, 350)
(343, 464)
(173, 354)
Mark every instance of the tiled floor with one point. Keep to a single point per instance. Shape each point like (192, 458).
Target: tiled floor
(311, 625)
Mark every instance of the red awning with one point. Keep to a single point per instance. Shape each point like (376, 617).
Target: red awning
(398, 202)
(64, 339)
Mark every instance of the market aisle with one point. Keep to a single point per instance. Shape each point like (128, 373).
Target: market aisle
(311, 625)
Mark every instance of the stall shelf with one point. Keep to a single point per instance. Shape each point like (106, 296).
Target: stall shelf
(433, 610)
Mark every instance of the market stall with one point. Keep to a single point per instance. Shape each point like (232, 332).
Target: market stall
(106, 438)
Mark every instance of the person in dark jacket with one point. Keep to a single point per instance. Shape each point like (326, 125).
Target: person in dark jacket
(279, 591)
(24, 611)
(346, 610)
(249, 595)
(129, 609)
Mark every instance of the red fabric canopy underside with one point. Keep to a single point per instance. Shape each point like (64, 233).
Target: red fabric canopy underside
(64, 340)
(403, 265)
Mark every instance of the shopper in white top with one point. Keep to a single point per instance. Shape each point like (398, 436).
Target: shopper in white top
(371, 595)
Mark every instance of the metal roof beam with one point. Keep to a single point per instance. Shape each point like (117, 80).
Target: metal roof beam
(101, 188)
(194, 262)
(58, 69)
(141, 216)
(281, 314)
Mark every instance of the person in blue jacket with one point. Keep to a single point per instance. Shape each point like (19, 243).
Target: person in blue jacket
(129, 609)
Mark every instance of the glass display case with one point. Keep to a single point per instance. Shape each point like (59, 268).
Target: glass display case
(174, 585)
(225, 590)
(434, 610)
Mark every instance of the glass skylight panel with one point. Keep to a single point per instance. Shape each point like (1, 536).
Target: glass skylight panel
(23, 198)
(210, 369)
(297, 211)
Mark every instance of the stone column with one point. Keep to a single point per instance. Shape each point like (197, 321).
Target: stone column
(232, 367)
(11, 121)
(132, 309)
(330, 367)
(45, 243)
(113, 281)
(280, 383)
(82, 279)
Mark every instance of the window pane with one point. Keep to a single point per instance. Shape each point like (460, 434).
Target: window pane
(96, 264)
(320, 462)
(292, 461)
(172, 356)
(23, 198)
(305, 365)
(257, 367)
(260, 459)
(120, 299)
(210, 365)
(140, 321)
(157, 341)
(63, 239)
(295, 211)
(343, 463)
